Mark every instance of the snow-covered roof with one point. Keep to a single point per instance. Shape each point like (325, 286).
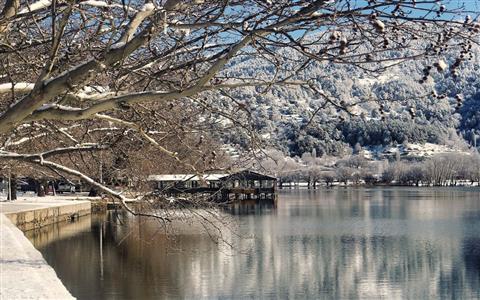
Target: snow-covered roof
(185, 177)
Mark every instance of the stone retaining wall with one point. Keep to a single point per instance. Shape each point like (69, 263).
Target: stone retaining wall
(38, 217)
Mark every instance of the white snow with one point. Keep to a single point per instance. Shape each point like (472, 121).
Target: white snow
(97, 3)
(62, 107)
(148, 7)
(35, 6)
(266, 136)
(18, 87)
(442, 65)
(379, 25)
(185, 31)
(94, 92)
(428, 149)
(95, 89)
(24, 272)
(411, 150)
(146, 11)
(380, 79)
(117, 45)
(185, 177)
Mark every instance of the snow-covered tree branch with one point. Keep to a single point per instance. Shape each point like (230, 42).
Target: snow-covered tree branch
(110, 73)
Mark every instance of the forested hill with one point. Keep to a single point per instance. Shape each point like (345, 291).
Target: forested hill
(394, 107)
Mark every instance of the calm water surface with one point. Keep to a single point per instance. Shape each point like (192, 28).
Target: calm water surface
(390, 243)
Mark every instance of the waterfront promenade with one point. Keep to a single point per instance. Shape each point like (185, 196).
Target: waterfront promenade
(24, 273)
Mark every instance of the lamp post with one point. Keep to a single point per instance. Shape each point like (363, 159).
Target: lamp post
(9, 185)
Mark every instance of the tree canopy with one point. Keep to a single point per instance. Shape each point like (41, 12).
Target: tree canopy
(139, 86)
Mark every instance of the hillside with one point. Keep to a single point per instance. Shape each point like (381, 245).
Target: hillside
(292, 118)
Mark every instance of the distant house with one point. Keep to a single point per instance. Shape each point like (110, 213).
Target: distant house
(245, 184)
(248, 179)
(248, 185)
(184, 182)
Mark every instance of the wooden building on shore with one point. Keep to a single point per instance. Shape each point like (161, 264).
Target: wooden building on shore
(221, 187)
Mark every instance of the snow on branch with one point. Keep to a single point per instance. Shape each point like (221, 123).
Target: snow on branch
(56, 112)
(40, 159)
(77, 76)
(41, 4)
(57, 106)
(146, 11)
(103, 4)
(82, 147)
(116, 195)
(19, 87)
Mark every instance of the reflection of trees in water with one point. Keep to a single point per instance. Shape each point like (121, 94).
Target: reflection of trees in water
(363, 247)
(347, 266)
(471, 257)
(131, 268)
(377, 203)
(45, 235)
(249, 207)
(471, 250)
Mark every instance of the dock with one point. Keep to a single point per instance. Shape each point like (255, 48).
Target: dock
(244, 185)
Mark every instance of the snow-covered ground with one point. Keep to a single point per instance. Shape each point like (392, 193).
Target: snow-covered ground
(408, 150)
(32, 196)
(24, 273)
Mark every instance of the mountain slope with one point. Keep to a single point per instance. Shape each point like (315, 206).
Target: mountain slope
(391, 107)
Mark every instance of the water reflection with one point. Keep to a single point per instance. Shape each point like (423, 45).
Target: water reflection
(250, 207)
(337, 243)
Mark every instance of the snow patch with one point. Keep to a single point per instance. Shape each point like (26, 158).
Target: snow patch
(117, 45)
(25, 273)
(19, 86)
(36, 6)
(97, 3)
(57, 106)
(148, 7)
(380, 79)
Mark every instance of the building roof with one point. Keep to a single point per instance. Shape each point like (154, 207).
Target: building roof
(242, 175)
(185, 177)
(247, 175)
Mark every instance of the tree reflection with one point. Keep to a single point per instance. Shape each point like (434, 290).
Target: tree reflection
(390, 243)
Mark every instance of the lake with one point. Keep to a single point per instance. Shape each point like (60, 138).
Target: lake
(340, 243)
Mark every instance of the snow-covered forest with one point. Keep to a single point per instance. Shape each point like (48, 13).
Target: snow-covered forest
(388, 108)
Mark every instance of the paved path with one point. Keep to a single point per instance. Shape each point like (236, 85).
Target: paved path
(24, 273)
(31, 203)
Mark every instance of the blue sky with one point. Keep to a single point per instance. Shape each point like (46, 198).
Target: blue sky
(471, 4)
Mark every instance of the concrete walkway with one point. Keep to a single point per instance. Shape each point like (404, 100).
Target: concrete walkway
(24, 273)
(33, 203)
(35, 212)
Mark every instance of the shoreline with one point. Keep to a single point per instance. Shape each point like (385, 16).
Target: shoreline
(24, 273)
(304, 186)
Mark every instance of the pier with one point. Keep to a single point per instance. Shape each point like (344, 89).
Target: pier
(244, 185)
